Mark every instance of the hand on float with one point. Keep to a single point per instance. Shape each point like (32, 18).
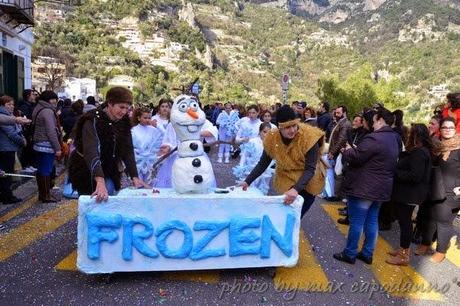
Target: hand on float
(101, 192)
(290, 196)
(243, 185)
(153, 122)
(138, 183)
(330, 156)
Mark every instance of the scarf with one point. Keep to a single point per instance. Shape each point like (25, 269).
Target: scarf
(449, 145)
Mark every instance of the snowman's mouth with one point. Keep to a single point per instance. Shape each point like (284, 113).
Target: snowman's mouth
(192, 128)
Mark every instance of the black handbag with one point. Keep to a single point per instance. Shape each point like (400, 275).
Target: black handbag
(437, 191)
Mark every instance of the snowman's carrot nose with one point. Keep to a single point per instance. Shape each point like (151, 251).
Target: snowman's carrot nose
(192, 113)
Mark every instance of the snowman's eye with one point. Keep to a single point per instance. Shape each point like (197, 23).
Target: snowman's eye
(183, 106)
(194, 106)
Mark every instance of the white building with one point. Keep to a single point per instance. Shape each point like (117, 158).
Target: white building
(75, 89)
(16, 20)
(122, 80)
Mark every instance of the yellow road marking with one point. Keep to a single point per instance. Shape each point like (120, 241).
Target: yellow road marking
(35, 229)
(306, 275)
(13, 213)
(453, 253)
(27, 204)
(69, 263)
(397, 280)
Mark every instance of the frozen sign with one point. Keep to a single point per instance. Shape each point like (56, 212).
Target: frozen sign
(169, 231)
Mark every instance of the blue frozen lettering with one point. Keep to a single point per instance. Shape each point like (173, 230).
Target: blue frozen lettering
(246, 236)
(214, 229)
(270, 233)
(136, 239)
(239, 239)
(97, 234)
(165, 230)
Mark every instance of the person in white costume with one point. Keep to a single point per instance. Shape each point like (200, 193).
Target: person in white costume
(247, 128)
(207, 132)
(266, 117)
(161, 119)
(146, 142)
(252, 154)
(226, 122)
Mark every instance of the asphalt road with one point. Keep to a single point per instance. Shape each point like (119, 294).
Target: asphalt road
(37, 267)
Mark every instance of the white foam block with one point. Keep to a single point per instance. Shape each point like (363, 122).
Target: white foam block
(141, 231)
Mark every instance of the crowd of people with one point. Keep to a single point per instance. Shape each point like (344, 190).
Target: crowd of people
(380, 168)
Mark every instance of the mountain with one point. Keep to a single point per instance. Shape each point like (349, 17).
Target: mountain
(405, 53)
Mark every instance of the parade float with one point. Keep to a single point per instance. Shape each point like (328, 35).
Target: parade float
(192, 226)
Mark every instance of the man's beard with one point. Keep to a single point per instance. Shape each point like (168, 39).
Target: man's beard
(338, 118)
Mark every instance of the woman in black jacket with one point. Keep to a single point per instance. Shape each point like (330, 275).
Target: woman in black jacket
(443, 214)
(411, 185)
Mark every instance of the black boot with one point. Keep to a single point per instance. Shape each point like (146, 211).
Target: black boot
(44, 186)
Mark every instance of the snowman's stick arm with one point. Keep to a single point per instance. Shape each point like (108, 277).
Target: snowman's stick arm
(163, 157)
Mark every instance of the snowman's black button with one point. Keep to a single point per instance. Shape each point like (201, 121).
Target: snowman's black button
(198, 179)
(194, 146)
(196, 162)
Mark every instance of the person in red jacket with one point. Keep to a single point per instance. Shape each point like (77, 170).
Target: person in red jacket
(452, 108)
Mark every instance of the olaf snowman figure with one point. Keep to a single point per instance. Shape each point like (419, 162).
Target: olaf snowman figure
(192, 171)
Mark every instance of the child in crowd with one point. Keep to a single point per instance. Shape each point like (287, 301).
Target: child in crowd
(250, 158)
(161, 119)
(226, 122)
(146, 141)
(247, 128)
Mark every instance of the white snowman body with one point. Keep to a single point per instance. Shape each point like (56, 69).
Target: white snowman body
(192, 171)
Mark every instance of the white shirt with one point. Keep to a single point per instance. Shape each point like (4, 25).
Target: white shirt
(247, 128)
(161, 123)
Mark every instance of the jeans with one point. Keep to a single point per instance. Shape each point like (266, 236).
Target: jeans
(363, 215)
(45, 163)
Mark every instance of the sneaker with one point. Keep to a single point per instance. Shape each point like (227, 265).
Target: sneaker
(367, 260)
(226, 160)
(219, 160)
(342, 257)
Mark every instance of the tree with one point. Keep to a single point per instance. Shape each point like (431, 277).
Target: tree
(54, 64)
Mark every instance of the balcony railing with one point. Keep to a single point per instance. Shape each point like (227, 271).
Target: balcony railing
(20, 10)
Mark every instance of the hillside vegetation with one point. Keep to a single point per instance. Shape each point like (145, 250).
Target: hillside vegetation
(393, 54)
